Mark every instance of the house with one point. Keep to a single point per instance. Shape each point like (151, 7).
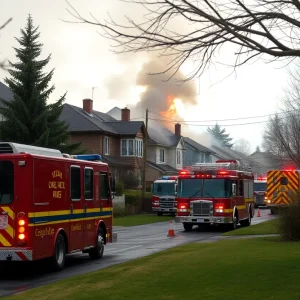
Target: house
(5, 92)
(165, 152)
(196, 153)
(120, 142)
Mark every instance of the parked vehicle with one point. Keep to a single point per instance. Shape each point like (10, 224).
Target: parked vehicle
(53, 204)
(218, 193)
(163, 195)
(260, 192)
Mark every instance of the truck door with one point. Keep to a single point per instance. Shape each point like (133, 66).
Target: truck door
(105, 198)
(89, 199)
(76, 208)
(7, 202)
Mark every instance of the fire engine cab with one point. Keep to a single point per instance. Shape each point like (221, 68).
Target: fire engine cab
(219, 193)
(163, 195)
(52, 204)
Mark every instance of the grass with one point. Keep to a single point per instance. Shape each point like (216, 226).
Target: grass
(259, 268)
(268, 227)
(140, 220)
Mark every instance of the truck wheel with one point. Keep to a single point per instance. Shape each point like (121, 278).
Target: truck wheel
(59, 257)
(246, 223)
(233, 225)
(97, 252)
(187, 226)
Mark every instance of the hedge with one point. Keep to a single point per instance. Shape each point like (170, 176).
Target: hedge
(132, 197)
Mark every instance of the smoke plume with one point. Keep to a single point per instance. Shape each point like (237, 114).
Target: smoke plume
(159, 92)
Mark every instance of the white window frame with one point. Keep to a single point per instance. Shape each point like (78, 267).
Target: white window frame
(137, 145)
(162, 151)
(106, 145)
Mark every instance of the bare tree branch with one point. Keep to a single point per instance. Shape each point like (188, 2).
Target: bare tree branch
(282, 134)
(268, 28)
(2, 63)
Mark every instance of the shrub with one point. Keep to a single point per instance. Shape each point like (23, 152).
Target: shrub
(289, 221)
(119, 211)
(132, 197)
(119, 188)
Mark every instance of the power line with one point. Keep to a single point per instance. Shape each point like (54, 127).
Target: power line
(224, 120)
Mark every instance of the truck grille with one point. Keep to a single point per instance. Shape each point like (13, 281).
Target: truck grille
(260, 198)
(166, 202)
(202, 208)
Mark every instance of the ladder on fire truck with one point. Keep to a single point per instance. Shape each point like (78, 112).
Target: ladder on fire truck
(218, 165)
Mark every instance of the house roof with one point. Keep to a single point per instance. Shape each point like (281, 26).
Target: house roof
(197, 146)
(115, 160)
(160, 135)
(5, 92)
(164, 168)
(80, 121)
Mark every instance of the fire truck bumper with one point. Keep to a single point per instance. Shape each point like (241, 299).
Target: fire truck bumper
(15, 254)
(203, 219)
(158, 209)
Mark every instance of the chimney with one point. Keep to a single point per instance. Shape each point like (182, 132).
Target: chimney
(88, 105)
(125, 114)
(178, 129)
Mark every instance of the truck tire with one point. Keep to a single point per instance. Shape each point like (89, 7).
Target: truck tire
(247, 222)
(187, 226)
(235, 221)
(59, 257)
(97, 252)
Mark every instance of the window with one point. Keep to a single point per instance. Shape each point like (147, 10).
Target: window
(178, 157)
(132, 148)
(104, 187)
(284, 181)
(106, 145)
(6, 182)
(75, 183)
(189, 188)
(161, 155)
(88, 184)
(217, 188)
(139, 148)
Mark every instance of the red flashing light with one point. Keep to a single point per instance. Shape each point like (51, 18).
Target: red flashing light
(183, 172)
(223, 172)
(261, 178)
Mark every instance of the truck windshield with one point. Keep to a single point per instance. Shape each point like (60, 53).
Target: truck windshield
(189, 188)
(163, 188)
(260, 186)
(217, 188)
(6, 182)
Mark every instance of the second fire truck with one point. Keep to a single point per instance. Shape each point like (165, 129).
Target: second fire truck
(163, 195)
(219, 193)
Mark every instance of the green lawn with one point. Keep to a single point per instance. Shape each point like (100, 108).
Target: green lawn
(268, 227)
(140, 220)
(259, 268)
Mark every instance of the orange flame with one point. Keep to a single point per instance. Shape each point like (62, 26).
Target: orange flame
(172, 111)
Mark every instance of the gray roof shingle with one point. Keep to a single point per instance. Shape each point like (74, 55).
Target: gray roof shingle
(80, 121)
(164, 168)
(197, 146)
(163, 136)
(5, 92)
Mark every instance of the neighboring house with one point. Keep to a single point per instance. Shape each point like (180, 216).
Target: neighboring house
(196, 153)
(119, 142)
(165, 152)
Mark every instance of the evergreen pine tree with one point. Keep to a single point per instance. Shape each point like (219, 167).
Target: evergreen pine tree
(28, 119)
(257, 149)
(220, 135)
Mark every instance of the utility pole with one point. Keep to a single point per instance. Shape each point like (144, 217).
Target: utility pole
(144, 161)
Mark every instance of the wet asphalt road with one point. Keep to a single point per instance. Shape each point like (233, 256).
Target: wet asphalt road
(133, 242)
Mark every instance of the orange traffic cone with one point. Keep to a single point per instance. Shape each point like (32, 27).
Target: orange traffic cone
(258, 212)
(171, 231)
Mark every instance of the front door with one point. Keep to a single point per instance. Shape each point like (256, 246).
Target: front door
(76, 208)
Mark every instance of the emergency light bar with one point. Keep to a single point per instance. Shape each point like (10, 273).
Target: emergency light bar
(169, 177)
(90, 157)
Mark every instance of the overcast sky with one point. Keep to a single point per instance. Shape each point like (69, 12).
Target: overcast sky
(82, 60)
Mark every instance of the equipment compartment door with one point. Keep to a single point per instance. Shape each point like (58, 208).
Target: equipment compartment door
(76, 208)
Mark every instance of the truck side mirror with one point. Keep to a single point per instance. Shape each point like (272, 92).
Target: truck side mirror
(233, 189)
(175, 189)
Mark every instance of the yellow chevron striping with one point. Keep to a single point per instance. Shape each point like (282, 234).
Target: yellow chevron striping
(4, 241)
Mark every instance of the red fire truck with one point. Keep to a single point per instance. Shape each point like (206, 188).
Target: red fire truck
(52, 204)
(218, 193)
(163, 195)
